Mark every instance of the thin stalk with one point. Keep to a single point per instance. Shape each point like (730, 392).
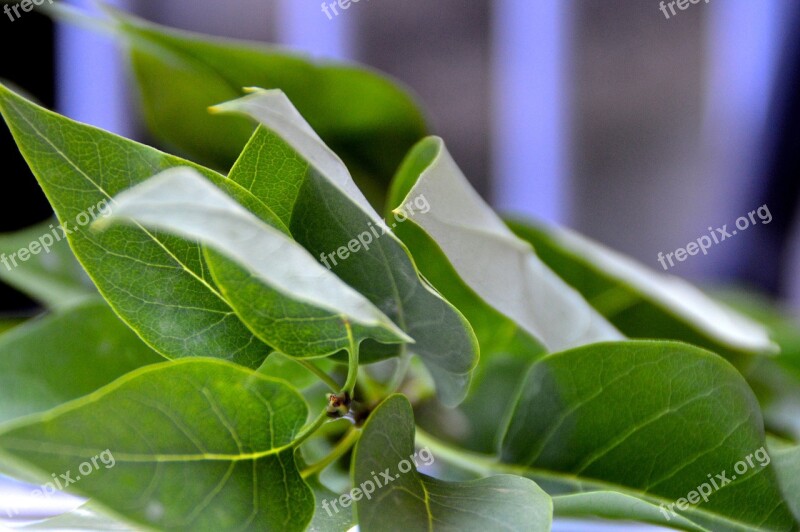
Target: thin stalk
(352, 366)
(344, 445)
(324, 377)
(310, 429)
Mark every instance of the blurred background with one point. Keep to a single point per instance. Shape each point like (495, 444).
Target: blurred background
(636, 126)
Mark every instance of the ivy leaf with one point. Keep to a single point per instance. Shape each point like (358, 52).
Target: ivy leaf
(159, 285)
(643, 303)
(498, 267)
(414, 501)
(310, 189)
(51, 276)
(276, 287)
(195, 444)
(363, 115)
(597, 418)
(326, 520)
(51, 360)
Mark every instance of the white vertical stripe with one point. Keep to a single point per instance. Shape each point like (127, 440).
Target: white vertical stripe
(305, 25)
(530, 97)
(90, 73)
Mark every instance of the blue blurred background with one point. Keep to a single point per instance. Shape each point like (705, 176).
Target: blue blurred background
(638, 128)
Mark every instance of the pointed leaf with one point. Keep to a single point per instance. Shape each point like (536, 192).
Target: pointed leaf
(641, 302)
(310, 189)
(500, 268)
(278, 289)
(158, 284)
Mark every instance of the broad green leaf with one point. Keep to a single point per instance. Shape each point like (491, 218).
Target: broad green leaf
(618, 506)
(46, 270)
(280, 366)
(54, 359)
(369, 119)
(653, 420)
(288, 167)
(640, 302)
(498, 267)
(195, 444)
(276, 287)
(414, 501)
(159, 285)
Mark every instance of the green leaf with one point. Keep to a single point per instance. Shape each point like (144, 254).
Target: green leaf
(276, 287)
(371, 120)
(498, 267)
(653, 420)
(288, 167)
(786, 460)
(414, 501)
(617, 506)
(643, 303)
(195, 444)
(54, 359)
(327, 520)
(52, 276)
(159, 285)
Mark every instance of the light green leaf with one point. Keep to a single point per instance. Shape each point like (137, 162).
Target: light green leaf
(288, 167)
(159, 285)
(54, 359)
(195, 444)
(328, 520)
(618, 506)
(276, 287)
(414, 501)
(653, 420)
(369, 119)
(786, 460)
(52, 276)
(500, 268)
(641, 302)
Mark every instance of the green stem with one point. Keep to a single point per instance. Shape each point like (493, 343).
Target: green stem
(324, 377)
(470, 461)
(352, 367)
(310, 429)
(337, 452)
